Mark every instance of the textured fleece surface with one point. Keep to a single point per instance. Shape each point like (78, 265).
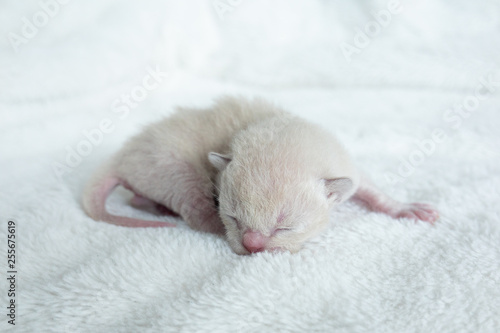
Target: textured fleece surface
(395, 106)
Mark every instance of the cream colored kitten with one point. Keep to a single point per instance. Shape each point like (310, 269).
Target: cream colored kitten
(275, 176)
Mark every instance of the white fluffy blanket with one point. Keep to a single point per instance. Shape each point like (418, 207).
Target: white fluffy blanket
(417, 105)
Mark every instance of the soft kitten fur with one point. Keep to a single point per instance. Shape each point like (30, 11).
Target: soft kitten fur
(275, 176)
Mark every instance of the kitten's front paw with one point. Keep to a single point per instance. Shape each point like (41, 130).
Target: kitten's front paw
(418, 211)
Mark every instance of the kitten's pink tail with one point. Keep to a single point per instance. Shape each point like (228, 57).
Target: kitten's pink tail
(94, 201)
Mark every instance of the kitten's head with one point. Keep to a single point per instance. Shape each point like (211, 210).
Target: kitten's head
(273, 210)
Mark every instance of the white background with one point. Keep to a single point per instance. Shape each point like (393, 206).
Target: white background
(367, 273)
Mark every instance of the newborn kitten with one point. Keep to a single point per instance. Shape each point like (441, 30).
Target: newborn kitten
(275, 176)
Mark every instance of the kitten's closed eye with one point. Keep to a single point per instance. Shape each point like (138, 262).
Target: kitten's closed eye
(235, 220)
(282, 230)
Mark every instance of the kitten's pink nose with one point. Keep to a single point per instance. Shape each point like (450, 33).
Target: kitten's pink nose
(254, 241)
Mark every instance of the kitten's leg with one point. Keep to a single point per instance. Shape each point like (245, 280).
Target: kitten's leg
(164, 210)
(377, 201)
(192, 197)
(177, 184)
(139, 201)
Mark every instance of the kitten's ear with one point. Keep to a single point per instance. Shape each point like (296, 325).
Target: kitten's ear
(219, 161)
(338, 189)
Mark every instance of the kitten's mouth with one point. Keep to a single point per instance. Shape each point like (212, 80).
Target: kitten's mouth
(270, 250)
(277, 250)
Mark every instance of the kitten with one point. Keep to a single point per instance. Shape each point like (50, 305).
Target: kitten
(275, 176)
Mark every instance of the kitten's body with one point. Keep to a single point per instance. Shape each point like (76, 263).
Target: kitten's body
(276, 175)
